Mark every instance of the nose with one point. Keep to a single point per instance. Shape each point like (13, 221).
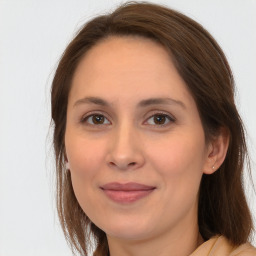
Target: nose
(125, 151)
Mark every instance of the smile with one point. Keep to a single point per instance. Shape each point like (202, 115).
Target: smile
(126, 193)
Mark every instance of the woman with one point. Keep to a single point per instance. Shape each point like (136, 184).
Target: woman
(149, 144)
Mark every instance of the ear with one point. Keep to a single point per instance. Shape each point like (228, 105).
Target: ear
(67, 165)
(66, 160)
(216, 151)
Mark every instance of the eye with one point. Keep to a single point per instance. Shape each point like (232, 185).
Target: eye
(160, 119)
(95, 119)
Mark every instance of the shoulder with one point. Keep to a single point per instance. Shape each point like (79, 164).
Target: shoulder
(244, 250)
(220, 246)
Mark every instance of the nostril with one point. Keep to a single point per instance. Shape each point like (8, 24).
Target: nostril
(122, 165)
(112, 163)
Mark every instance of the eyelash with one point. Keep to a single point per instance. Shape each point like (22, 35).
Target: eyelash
(161, 114)
(85, 118)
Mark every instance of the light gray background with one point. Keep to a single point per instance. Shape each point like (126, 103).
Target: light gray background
(33, 35)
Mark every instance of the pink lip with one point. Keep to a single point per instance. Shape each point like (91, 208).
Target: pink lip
(126, 193)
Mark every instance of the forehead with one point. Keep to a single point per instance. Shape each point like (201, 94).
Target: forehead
(127, 67)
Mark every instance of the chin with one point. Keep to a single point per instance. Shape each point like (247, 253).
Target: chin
(131, 235)
(128, 230)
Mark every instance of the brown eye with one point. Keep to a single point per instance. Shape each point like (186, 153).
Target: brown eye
(160, 119)
(96, 119)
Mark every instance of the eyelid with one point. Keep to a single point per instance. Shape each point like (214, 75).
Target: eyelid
(171, 118)
(85, 117)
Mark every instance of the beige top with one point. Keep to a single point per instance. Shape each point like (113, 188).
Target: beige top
(220, 246)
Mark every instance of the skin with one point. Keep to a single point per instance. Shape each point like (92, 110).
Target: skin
(129, 145)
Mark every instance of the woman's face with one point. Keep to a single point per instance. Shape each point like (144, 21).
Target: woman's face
(134, 141)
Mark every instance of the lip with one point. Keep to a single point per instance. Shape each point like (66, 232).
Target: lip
(126, 192)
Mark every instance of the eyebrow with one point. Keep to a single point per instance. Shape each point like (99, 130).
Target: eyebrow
(143, 103)
(92, 100)
(159, 101)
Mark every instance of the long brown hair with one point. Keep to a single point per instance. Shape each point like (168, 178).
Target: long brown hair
(202, 64)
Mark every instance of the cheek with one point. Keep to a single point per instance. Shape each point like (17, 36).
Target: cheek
(178, 163)
(84, 156)
(85, 159)
(180, 156)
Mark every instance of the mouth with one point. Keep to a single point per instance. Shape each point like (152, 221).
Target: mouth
(126, 193)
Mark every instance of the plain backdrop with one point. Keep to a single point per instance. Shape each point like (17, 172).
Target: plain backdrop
(33, 34)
